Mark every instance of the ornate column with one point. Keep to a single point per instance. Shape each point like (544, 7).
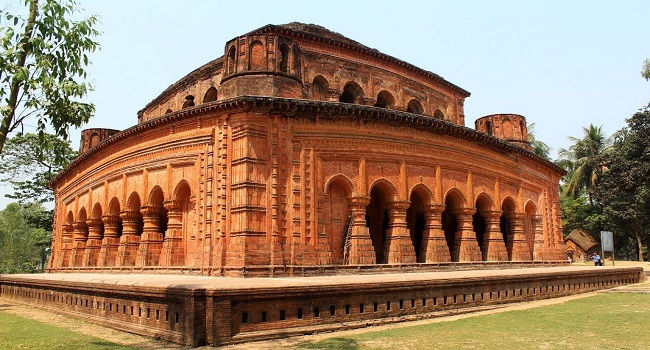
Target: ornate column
(172, 253)
(93, 245)
(361, 250)
(517, 238)
(66, 246)
(110, 242)
(151, 240)
(493, 242)
(79, 245)
(398, 246)
(465, 245)
(128, 248)
(434, 245)
(539, 248)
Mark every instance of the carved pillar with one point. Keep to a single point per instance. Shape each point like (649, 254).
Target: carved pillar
(79, 245)
(93, 245)
(361, 249)
(398, 246)
(495, 247)
(465, 245)
(110, 242)
(517, 238)
(539, 248)
(66, 246)
(128, 248)
(152, 238)
(434, 245)
(173, 253)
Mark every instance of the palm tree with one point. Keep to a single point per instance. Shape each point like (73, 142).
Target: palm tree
(582, 160)
(539, 148)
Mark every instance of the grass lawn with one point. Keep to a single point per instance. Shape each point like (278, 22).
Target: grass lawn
(21, 333)
(604, 321)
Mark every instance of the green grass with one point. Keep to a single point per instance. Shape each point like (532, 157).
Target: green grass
(604, 321)
(21, 333)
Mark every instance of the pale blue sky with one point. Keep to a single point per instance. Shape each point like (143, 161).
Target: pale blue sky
(561, 64)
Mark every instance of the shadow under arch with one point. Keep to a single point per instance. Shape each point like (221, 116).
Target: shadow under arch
(508, 208)
(420, 199)
(454, 200)
(484, 205)
(337, 217)
(382, 193)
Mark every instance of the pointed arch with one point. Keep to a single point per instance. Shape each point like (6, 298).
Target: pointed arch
(352, 92)
(114, 206)
(82, 216)
(454, 199)
(382, 193)
(337, 218)
(508, 208)
(530, 210)
(189, 101)
(210, 95)
(133, 203)
(439, 115)
(69, 218)
(343, 181)
(156, 196)
(169, 110)
(484, 204)
(231, 60)
(97, 211)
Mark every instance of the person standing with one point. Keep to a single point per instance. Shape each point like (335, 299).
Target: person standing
(596, 259)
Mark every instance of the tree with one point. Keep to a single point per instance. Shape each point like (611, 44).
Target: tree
(42, 67)
(23, 246)
(624, 188)
(30, 162)
(539, 148)
(645, 71)
(582, 160)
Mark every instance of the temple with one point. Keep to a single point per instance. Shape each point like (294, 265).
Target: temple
(301, 148)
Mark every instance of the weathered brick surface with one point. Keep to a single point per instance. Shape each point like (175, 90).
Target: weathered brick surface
(220, 310)
(300, 147)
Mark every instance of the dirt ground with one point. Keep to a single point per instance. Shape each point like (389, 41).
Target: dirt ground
(124, 338)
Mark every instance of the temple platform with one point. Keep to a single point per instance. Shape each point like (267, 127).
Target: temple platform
(198, 310)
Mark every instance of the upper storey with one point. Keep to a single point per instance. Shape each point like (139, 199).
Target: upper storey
(305, 61)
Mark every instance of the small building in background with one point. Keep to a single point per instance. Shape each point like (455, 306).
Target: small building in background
(580, 245)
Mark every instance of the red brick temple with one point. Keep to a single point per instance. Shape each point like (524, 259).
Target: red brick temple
(301, 153)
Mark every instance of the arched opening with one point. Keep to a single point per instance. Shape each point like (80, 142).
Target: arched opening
(133, 205)
(453, 201)
(169, 110)
(415, 220)
(257, 58)
(183, 195)
(377, 218)
(385, 100)
(210, 95)
(231, 60)
(114, 211)
(352, 92)
(414, 106)
(156, 199)
(337, 219)
(489, 127)
(522, 130)
(284, 58)
(508, 208)
(94, 140)
(483, 204)
(296, 59)
(189, 101)
(319, 88)
(506, 129)
(529, 228)
(438, 115)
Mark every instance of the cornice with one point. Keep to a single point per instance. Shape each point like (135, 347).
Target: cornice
(311, 109)
(355, 46)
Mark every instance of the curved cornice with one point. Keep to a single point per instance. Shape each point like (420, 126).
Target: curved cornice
(355, 46)
(297, 108)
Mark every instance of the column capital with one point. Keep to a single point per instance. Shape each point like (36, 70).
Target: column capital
(172, 205)
(79, 225)
(128, 215)
(94, 222)
(150, 211)
(110, 219)
(464, 211)
(399, 205)
(359, 201)
(435, 209)
(491, 214)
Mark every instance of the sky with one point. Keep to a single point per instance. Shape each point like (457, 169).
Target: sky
(561, 64)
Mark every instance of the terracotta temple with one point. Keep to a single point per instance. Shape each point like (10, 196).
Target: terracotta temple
(301, 148)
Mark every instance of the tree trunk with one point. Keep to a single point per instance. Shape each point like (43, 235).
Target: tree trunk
(25, 50)
(639, 244)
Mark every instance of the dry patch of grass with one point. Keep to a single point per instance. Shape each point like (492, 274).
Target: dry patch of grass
(604, 321)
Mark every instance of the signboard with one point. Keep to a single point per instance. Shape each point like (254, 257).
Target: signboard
(607, 241)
